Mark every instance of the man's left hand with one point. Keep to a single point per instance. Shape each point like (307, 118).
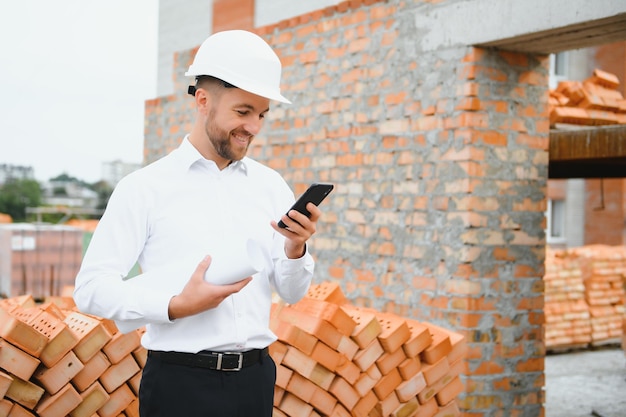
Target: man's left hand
(299, 229)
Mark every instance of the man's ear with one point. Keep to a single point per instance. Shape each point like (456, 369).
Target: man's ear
(203, 100)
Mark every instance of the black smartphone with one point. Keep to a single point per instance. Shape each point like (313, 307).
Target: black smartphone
(314, 194)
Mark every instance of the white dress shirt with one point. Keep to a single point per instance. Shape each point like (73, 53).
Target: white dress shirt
(174, 212)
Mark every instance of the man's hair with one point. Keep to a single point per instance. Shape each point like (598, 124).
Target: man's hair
(208, 82)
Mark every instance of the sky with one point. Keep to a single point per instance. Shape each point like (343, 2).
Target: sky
(74, 76)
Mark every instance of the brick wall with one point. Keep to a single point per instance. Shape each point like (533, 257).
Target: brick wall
(604, 211)
(440, 165)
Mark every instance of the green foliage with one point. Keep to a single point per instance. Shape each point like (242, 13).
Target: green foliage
(16, 195)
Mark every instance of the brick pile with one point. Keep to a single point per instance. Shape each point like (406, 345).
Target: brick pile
(567, 316)
(585, 296)
(38, 259)
(336, 359)
(57, 362)
(333, 359)
(592, 102)
(604, 292)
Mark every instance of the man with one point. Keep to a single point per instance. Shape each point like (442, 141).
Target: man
(207, 344)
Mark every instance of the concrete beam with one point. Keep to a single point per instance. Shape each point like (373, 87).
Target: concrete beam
(534, 26)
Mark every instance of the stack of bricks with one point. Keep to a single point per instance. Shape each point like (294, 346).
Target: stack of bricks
(568, 323)
(597, 319)
(604, 290)
(333, 359)
(595, 101)
(337, 359)
(39, 260)
(57, 362)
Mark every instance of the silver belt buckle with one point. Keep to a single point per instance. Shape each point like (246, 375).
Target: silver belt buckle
(219, 361)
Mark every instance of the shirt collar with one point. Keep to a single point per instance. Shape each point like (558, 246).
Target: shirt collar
(188, 155)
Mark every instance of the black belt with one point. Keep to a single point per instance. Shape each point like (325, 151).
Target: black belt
(220, 361)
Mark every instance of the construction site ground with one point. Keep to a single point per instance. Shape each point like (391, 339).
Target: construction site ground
(586, 383)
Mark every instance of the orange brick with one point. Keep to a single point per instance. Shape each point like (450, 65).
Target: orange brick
(323, 401)
(348, 347)
(434, 372)
(327, 311)
(449, 392)
(408, 409)
(349, 371)
(432, 389)
(410, 388)
(301, 387)
(449, 410)
(91, 333)
(317, 327)
(409, 367)
(60, 338)
(5, 383)
(121, 345)
(93, 398)
(277, 351)
(368, 356)
(367, 380)
(294, 336)
(119, 373)
(140, 354)
(440, 346)
(327, 291)
(283, 376)
(340, 411)
(20, 334)
(119, 400)
(389, 361)
(53, 379)
(386, 406)
(327, 357)
(133, 409)
(367, 325)
(428, 408)
(134, 382)
(294, 406)
(25, 393)
(24, 301)
(365, 405)
(5, 407)
(395, 331)
(308, 368)
(279, 393)
(91, 371)
(419, 339)
(344, 393)
(277, 413)
(16, 361)
(19, 411)
(59, 404)
(387, 384)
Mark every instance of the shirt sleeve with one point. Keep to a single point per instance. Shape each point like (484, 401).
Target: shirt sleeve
(293, 277)
(101, 286)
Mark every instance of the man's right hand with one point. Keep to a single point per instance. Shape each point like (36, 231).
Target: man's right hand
(198, 295)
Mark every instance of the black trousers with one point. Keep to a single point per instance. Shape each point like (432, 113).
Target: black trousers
(170, 390)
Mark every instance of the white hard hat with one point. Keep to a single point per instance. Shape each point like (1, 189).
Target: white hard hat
(240, 58)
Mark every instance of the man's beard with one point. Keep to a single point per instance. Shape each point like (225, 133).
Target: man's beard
(220, 139)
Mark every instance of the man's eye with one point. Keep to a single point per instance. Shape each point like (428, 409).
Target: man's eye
(242, 112)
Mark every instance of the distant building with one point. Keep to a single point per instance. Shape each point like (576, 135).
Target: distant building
(19, 172)
(68, 194)
(114, 171)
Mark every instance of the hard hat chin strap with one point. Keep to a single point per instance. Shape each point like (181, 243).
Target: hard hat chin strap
(191, 90)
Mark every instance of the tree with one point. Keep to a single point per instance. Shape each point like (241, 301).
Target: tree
(16, 195)
(104, 191)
